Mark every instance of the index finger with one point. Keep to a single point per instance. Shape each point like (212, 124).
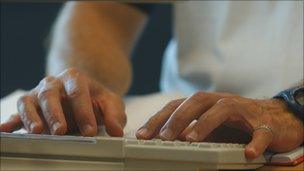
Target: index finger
(188, 111)
(211, 119)
(12, 124)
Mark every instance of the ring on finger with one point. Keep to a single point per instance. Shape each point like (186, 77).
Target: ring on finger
(265, 128)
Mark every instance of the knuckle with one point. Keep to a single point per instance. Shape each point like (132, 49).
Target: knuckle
(74, 91)
(178, 119)
(74, 86)
(23, 110)
(267, 119)
(71, 72)
(226, 102)
(24, 99)
(45, 93)
(49, 78)
(172, 105)
(46, 80)
(153, 121)
(199, 96)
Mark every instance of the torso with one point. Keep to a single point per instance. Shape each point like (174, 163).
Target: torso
(252, 48)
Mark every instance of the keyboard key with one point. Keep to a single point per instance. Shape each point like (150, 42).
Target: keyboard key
(176, 155)
(195, 144)
(149, 142)
(167, 143)
(204, 145)
(180, 143)
(132, 141)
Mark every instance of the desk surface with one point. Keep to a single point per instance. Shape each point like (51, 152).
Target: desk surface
(285, 168)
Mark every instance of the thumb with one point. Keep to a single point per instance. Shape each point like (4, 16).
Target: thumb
(261, 138)
(12, 124)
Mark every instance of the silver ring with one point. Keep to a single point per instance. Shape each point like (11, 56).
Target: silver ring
(264, 127)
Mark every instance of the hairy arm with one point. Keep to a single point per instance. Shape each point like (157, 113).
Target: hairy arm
(96, 38)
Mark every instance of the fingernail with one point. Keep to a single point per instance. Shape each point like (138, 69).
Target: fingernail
(32, 127)
(193, 136)
(251, 153)
(167, 134)
(143, 132)
(87, 130)
(55, 126)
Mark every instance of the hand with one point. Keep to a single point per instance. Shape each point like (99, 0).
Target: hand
(204, 114)
(67, 103)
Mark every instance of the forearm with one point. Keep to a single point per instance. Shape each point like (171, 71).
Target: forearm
(97, 39)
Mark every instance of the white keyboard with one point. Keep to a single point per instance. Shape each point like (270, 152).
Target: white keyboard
(36, 152)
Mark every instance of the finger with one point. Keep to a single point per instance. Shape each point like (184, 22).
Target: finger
(69, 117)
(188, 111)
(12, 124)
(109, 109)
(211, 119)
(186, 131)
(152, 127)
(113, 113)
(260, 140)
(49, 101)
(29, 115)
(80, 102)
(97, 112)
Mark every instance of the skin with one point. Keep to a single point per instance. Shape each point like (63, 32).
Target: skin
(210, 116)
(89, 72)
(68, 103)
(97, 39)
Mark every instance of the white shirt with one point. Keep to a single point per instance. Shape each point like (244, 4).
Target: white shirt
(251, 48)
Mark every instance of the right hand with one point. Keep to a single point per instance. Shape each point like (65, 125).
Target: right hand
(68, 103)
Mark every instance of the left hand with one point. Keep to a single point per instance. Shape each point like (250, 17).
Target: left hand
(205, 115)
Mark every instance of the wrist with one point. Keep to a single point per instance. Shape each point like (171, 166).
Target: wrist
(294, 100)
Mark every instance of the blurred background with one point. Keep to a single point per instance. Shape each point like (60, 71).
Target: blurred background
(25, 27)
